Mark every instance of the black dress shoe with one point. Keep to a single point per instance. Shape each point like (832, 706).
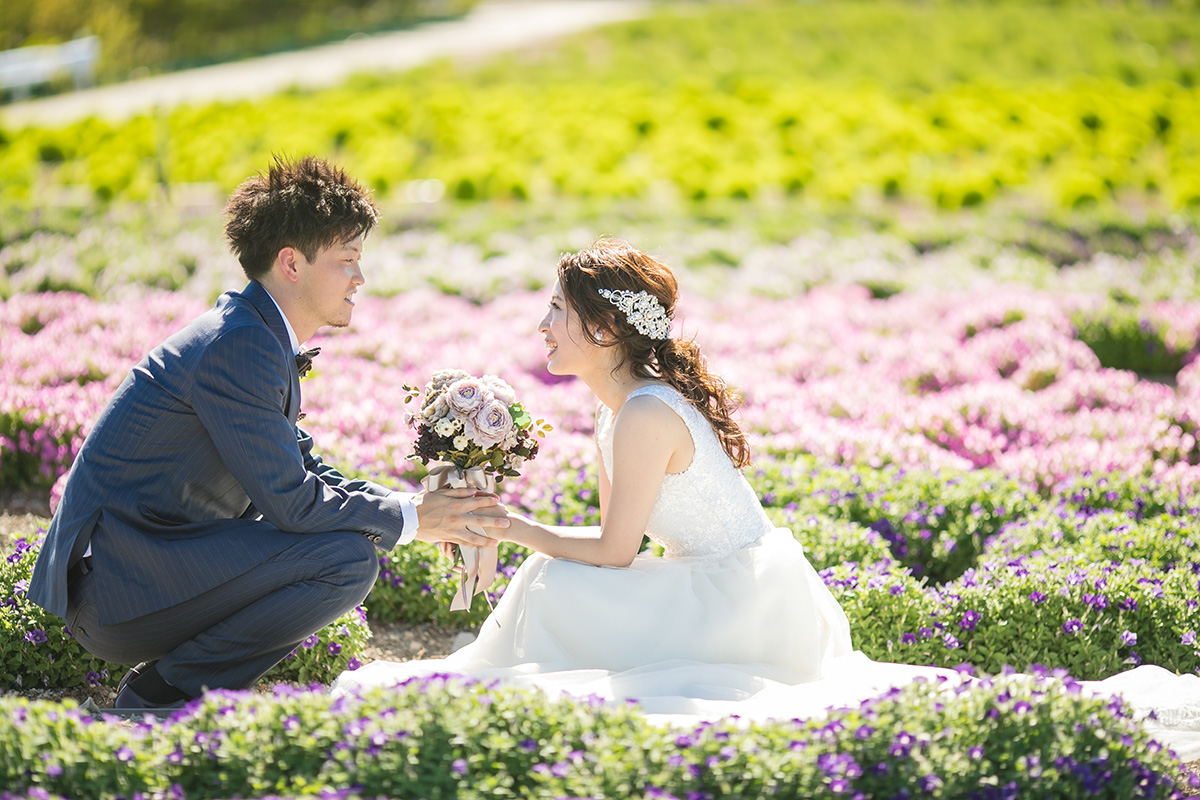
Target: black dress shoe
(129, 700)
(133, 673)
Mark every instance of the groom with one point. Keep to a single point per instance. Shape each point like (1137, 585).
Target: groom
(198, 532)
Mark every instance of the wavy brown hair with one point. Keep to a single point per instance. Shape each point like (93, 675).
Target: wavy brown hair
(615, 264)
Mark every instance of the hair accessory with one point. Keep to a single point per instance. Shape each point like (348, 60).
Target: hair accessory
(642, 311)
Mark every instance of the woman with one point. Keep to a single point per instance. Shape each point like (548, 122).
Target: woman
(732, 619)
(732, 615)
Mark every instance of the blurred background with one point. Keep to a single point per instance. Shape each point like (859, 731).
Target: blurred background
(1023, 137)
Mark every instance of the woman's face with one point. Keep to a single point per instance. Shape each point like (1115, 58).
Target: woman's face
(567, 349)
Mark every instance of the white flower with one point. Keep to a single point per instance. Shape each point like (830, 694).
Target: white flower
(461, 442)
(446, 426)
(442, 378)
(435, 407)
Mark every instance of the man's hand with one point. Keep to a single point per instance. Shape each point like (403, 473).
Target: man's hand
(443, 516)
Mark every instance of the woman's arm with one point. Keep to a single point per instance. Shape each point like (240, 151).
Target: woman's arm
(646, 436)
(605, 484)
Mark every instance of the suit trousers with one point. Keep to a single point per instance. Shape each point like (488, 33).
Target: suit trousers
(232, 635)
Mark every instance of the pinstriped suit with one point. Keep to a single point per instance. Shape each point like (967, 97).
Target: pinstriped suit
(198, 442)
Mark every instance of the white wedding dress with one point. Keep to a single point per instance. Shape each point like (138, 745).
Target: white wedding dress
(732, 619)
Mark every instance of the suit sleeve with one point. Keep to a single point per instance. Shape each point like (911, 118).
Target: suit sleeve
(239, 393)
(330, 474)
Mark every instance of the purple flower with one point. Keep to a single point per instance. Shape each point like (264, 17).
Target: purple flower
(460, 766)
(970, 618)
(908, 638)
(950, 642)
(36, 636)
(1072, 626)
(334, 648)
(1188, 639)
(310, 642)
(124, 754)
(1128, 638)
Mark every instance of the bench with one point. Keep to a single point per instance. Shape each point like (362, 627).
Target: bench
(26, 67)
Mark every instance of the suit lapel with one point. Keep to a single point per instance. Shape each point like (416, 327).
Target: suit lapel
(265, 306)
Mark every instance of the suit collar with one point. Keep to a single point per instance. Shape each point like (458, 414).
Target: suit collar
(262, 301)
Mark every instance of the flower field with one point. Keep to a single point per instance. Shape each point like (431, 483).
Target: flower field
(948, 256)
(973, 482)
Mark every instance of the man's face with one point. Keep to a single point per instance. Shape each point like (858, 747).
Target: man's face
(329, 282)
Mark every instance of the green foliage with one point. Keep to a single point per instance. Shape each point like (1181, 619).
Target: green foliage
(440, 738)
(1133, 496)
(416, 584)
(1127, 337)
(169, 34)
(37, 651)
(1163, 542)
(1060, 609)
(327, 653)
(935, 522)
(34, 449)
(948, 106)
(829, 542)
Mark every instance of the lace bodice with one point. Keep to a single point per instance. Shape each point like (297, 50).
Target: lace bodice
(708, 509)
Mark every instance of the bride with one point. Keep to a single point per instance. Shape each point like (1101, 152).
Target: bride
(732, 618)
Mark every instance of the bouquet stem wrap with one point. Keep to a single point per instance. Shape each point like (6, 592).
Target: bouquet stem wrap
(478, 567)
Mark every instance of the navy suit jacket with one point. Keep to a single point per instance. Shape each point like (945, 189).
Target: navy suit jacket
(198, 443)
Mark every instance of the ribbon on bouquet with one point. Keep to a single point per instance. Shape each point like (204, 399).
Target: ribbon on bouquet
(478, 564)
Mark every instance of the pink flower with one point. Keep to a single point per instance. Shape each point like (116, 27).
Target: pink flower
(499, 388)
(490, 424)
(466, 395)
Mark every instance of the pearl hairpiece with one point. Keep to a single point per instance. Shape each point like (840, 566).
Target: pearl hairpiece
(642, 311)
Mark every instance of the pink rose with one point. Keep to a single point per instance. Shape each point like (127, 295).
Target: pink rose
(499, 387)
(490, 424)
(466, 395)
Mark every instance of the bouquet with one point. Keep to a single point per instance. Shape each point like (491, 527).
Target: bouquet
(483, 435)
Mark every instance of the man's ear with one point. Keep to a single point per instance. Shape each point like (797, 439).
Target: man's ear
(287, 262)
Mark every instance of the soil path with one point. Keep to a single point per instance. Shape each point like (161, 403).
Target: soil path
(492, 26)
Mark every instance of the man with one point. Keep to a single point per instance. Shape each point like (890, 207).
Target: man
(197, 531)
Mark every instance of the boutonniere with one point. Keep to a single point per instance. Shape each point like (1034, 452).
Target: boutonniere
(304, 360)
